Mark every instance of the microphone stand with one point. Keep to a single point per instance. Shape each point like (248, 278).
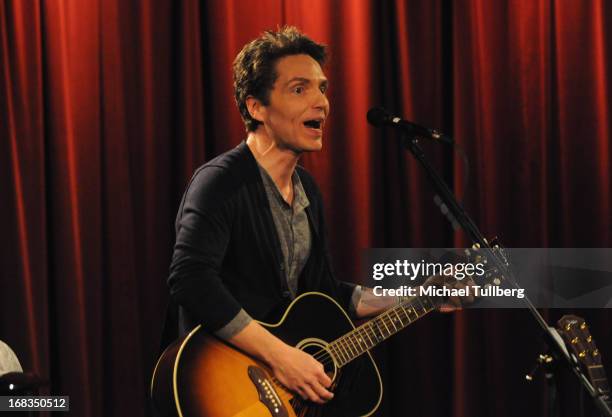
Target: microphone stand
(555, 344)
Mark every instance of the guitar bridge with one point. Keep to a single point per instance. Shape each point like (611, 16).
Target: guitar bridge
(266, 391)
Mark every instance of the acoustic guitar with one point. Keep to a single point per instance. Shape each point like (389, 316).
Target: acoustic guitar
(200, 375)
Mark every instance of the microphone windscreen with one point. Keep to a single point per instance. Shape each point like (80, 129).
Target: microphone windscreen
(377, 116)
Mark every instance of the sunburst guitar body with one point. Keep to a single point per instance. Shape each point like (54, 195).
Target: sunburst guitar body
(200, 375)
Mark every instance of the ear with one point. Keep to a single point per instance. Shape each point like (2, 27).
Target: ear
(256, 109)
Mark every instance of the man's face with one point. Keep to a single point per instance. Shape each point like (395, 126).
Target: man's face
(298, 107)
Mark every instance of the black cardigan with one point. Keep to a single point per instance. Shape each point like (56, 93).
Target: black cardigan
(227, 253)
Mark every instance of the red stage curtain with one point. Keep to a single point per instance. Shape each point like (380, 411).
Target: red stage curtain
(107, 107)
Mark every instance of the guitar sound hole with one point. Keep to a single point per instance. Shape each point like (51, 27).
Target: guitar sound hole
(318, 350)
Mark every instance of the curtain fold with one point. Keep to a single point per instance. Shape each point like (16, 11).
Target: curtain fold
(24, 259)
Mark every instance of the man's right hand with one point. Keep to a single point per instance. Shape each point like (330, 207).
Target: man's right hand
(295, 369)
(301, 373)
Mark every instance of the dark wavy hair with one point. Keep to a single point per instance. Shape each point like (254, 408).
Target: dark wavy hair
(255, 66)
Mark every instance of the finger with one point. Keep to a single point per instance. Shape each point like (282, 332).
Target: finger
(468, 298)
(311, 395)
(323, 378)
(447, 308)
(472, 283)
(436, 280)
(320, 390)
(301, 393)
(455, 301)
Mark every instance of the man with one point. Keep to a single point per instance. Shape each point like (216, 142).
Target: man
(250, 234)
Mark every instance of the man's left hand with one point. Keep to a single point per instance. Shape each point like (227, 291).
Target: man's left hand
(452, 303)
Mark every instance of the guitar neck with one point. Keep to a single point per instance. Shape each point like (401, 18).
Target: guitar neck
(598, 378)
(380, 328)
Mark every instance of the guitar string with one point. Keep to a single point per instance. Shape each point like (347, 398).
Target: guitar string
(345, 341)
(323, 355)
(386, 320)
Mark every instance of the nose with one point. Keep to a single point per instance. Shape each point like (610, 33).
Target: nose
(321, 102)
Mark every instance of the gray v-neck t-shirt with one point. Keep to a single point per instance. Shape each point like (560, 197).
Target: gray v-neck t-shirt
(294, 235)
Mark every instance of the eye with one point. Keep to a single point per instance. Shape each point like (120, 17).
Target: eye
(298, 90)
(323, 89)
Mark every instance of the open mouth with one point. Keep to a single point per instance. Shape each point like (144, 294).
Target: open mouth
(314, 123)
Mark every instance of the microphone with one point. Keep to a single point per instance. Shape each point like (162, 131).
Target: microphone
(377, 116)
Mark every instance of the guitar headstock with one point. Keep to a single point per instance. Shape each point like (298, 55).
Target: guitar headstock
(579, 341)
(477, 255)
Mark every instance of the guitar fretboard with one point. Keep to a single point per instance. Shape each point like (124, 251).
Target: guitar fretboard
(380, 328)
(600, 382)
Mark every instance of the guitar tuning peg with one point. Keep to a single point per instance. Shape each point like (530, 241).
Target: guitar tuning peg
(568, 327)
(546, 358)
(582, 354)
(543, 360)
(583, 326)
(574, 340)
(589, 338)
(476, 246)
(595, 352)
